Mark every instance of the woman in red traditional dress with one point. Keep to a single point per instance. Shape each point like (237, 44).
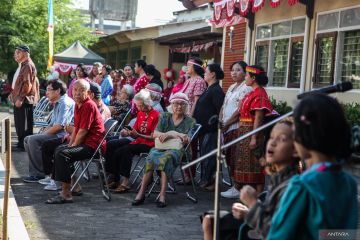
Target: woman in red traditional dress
(129, 75)
(253, 109)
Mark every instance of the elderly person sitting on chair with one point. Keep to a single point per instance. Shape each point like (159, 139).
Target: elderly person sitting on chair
(172, 134)
(88, 132)
(121, 151)
(122, 102)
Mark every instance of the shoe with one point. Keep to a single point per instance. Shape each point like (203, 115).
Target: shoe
(160, 204)
(231, 193)
(181, 182)
(45, 181)
(32, 179)
(77, 193)
(138, 202)
(52, 186)
(209, 188)
(58, 200)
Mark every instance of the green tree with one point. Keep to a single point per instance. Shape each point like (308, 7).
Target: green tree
(25, 22)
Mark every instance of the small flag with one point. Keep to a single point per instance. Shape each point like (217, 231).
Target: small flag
(50, 30)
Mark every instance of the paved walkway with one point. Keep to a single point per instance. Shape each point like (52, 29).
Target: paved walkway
(92, 217)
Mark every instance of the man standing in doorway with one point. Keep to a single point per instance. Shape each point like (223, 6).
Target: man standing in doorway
(25, 93)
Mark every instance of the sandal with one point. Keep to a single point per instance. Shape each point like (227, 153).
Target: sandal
(121, 189)
(58, 200)
(113, 185)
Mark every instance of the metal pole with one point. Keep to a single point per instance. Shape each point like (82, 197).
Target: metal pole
(217, 185)
(238, 140)
(7, 177)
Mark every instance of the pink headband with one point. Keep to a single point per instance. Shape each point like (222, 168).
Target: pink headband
(194, 63)
(179, 99)
(154, 91)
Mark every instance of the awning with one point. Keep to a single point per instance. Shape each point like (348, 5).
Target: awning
(194, 48)
(228, 7)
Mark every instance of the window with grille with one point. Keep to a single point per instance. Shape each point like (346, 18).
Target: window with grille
(350, 63)
(279, 54)
(122, 58)
(135, 54)
(338, 47)
(262, 54)
(280, 62)
(297, 46)
(325, 59)
(112, 59)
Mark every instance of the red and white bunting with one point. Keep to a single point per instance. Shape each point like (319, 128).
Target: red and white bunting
(225, 22)
(218, 9)
(66, 68)
(292, 2)
(230, 9)
(257, 5)
(274, 3)
(244, 7)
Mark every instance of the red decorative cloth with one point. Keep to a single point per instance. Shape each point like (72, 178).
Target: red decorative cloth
(141, 83)
(129, 80)
(145, 124)
(255, 100)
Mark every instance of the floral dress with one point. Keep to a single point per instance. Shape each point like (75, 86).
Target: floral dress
(168, 160)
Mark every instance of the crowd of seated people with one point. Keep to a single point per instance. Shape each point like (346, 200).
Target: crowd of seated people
(298, 201)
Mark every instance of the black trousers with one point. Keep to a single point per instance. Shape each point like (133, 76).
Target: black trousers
(23, 118)
(65, 157)
(47, 151)
(121, 159)
(208, 142)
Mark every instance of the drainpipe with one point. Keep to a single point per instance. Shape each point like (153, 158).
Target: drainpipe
(305, 55)
(223, 50)
(223, 47)
(248, 37)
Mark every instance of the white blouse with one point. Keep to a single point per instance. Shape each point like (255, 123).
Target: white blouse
(232, 102)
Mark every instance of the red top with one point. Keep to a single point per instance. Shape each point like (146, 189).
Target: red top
(145, 124)
(141, 83)
(130, 80)
(166, 96)
(254, 100)
(88, 117)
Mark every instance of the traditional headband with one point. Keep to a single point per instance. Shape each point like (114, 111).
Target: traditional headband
(254, 70)
(194, 63)
(154, 91)
(179, 99)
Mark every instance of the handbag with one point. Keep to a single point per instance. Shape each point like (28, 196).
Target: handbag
(174, 143)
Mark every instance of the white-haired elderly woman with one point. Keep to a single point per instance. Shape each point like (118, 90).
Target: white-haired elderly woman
(120, 152)
(172, 125)
(122, 102)
(156, 95)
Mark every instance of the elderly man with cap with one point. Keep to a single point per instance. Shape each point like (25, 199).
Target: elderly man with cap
(25, 93)
(95, 95)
